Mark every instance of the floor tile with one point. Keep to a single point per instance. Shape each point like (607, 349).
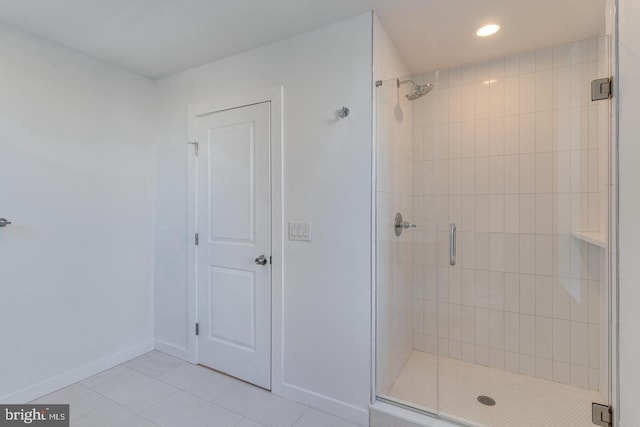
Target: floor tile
(199, 381)
(154, 363)
(134, 390)
(249, 423)
(81, 399)
(104, 375)
(112, 415)
(315, 418)
(261, 406)
(183, 409)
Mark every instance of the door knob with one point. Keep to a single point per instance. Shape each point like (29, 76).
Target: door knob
(4, 222)
(261, 260)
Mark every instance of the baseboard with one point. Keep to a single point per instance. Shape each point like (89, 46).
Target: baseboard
(63, 380)
(324, 403)
(173, 350)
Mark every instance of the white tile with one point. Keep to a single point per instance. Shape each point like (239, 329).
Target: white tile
(580, 376)
(468, 324)
(468, 287)
(483, 72)
(544, 90)
(455, 350)
(512, 95)
(562, 172)
(468, 352)
(562, 55)
(496, 174)
(544, 337)
(483, 289)
(528, 173)
(594, 302)
(527, 365)
(154, 363)
(483, 137)
(527, 93)
(562, 87)
(455, 104)
(580, 300)
(544, 255)
(512, 213)
(561, 298)
(511, 362)
(80, 398)
(483, 216)
(483, 174)
(594, 376)
(544, 131)
(561, 372)
(249, 423)
(455, 285)
(483, 327)
(183, 409)
(455, 76)
(496, 98)
(512, 292)
(544, 297)
(199, 381)
(496, 209)
(527, 137)
(512, 174)
(468, 176)
(544, 172)
(527, 253)
(527, 62)
(579, 344)
(468, 139)
(496, 358)
(544, 214)
(482, 251)
(104, 375)
(512, 253)
(455, 322)
(455, 176)
(443, 320)
(527, 213)
(496, 136)
(527, 334)
(496, 329)
(483, 356)
(527, 294)
(483, 103)
(134, 390)
(467, 249)
(562, 340)
(112, 415)
(594, 347)
(315, 418)
(512, 332)
(468, 102)
(261, 406)
(496, 290)
(544, 368)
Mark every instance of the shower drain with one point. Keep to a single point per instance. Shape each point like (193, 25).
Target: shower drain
(486, 400)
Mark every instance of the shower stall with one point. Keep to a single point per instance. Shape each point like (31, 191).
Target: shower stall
(494, 284)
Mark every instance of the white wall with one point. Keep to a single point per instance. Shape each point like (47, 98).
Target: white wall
(76, 180)
(327, 173)
(629, 211)
(393, 194)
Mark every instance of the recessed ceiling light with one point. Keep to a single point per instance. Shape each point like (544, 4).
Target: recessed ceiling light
(487, 30)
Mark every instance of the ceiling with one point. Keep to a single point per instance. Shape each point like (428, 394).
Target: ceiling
(156, 38)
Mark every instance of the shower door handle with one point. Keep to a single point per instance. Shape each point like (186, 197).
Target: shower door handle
(452, 244)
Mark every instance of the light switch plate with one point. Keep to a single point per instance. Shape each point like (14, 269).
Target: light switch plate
(300, 231)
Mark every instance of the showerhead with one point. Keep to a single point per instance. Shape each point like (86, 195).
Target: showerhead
(418, 90)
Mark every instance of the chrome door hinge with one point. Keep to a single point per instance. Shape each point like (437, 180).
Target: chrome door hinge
(195, 146)
(197, 329)
(601, 89)
(601, 415)
(197, 239)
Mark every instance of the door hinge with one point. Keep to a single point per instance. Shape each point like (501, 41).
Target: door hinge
(197, 239)
(601, 89)
(270, 260)
(197, 329)
(601, 415)
(195, 146)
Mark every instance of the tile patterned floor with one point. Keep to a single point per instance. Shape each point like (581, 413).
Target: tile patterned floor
(159, 390)
(522, 401)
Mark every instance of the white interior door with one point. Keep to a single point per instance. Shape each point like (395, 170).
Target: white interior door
(234, 226)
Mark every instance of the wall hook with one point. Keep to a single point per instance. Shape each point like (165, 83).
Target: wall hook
(344, 112)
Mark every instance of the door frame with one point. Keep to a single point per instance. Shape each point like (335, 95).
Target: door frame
(275, 97)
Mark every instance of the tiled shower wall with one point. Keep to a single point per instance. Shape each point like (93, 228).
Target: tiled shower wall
(515, 153)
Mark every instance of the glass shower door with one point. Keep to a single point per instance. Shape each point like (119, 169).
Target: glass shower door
(407, 256)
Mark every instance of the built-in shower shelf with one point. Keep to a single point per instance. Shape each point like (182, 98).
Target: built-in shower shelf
(593, 237)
